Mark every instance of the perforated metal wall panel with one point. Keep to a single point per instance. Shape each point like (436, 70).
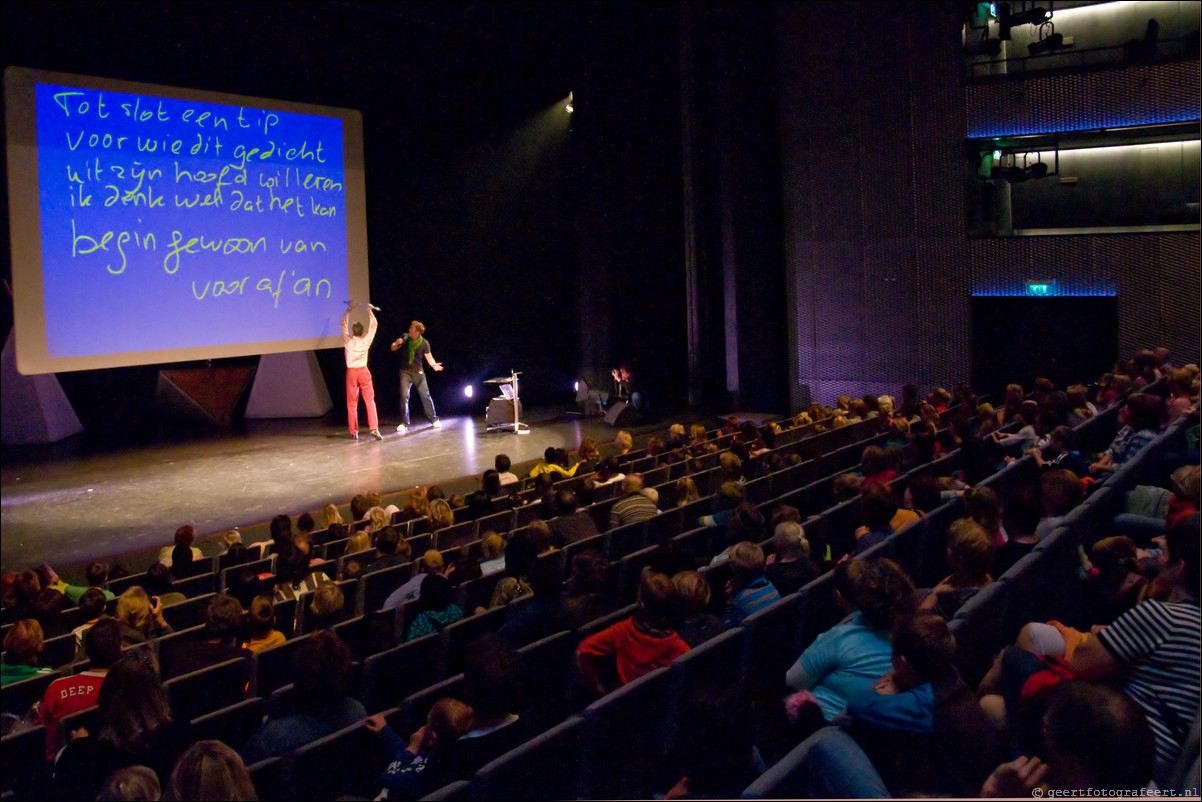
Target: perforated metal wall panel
(872, 130)
(1155, 276)
(1103, 99)
(874, 114)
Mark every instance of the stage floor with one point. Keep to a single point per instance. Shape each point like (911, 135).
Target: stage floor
(67, 503)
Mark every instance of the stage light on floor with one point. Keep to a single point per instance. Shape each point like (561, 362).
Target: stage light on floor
(576, 387)
(467, 391)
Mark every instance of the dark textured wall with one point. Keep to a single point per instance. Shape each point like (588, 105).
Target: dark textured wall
(880, 271)
(876, 258)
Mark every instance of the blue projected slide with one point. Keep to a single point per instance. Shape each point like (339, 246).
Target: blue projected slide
(171, 224)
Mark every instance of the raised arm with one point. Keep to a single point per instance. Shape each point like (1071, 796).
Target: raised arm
(372, 325)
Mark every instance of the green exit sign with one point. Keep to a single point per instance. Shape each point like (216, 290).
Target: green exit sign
(1041, 287)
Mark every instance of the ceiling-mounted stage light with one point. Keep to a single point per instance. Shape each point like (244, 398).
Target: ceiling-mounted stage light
(1048, 44)
(568, 107)
(1016, 174)
(1031, 16)
(1049, 40)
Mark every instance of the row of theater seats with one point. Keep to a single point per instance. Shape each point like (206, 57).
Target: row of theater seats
(774, 632)
(214, 696)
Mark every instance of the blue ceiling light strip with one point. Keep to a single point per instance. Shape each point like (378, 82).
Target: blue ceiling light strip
(1157, 117)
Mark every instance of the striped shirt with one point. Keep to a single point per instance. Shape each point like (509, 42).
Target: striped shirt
(1157, 646)
(751, 599)
(635, 507)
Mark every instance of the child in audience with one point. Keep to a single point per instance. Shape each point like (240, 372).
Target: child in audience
(640, 644)
(1140, 420)
(422, 765)
(260, 624)
(748, 590)
(970, 552)
(920, 724)
(438, 608)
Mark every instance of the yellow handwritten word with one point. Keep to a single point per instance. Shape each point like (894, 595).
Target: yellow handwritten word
(265, 285)
(218, 122)
(140, 114)
(221, 288)
(91, 169)
(240, 152)
(291, 204)
(83, 244)
(135, 170)
(322, 211)
(148, 145)
(300, 246)
(82, 107)
(301, 286)
(225, 247)
(77, 193)
(103, 141)
(203, 143)
(266, 121)
(133, 197)
(321, 183)
(296, 154)
(311, 180)
(242, 203)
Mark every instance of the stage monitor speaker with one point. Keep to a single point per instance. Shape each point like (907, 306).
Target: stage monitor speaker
(619, 414)
(500, 411)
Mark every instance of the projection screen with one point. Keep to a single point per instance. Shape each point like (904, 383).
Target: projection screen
(154, 224)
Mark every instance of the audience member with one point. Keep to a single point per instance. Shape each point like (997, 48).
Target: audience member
(141, 616)
(210, 770)
(493, 676)
(640, 644)
(502, 465)
(847, 659)
(437, 607)
(748, 590)
(326, 607)
(391, 550)
(1093, 737)
(185, 537)
(878, 505)
(23, 645)
(789, 567)
(218, 643)
(1140, 420)
(570, 524)
(426, 762)
(131, 784)
(920, 724)
(634, 505)
(134, 726)
(431, 563)
(697, 623)
(492, 551)
(319, 705)
(585, 598)
(970, 552)
(71, 694)
(260, 626)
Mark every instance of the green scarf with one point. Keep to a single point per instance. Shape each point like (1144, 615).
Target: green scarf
(413, 346)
